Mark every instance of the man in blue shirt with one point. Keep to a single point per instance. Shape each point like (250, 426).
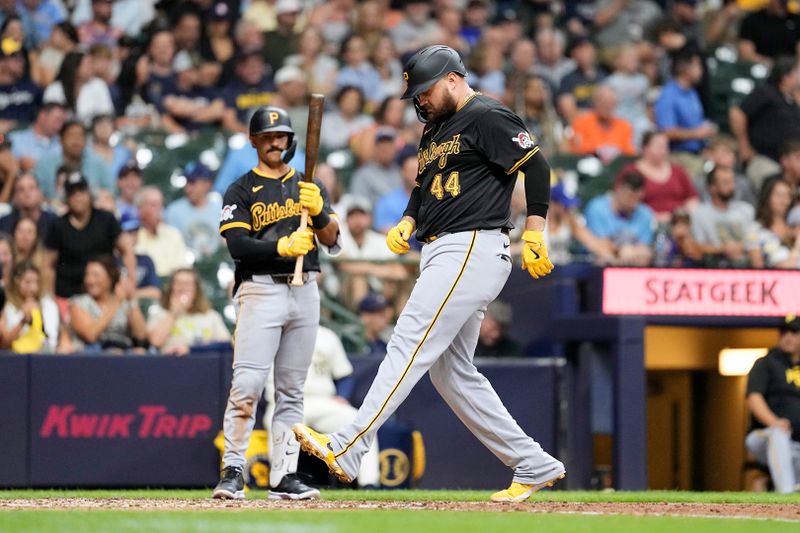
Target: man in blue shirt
(75, 157)
(196, 215)
(678, 110)
(621, 218)
(40, 139)
(390, 207)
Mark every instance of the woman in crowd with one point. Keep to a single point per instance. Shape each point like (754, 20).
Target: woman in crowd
(390, 70)
(30, 321)
(46, 63)
(185, 318)
(357, 71)
(27, 246)
(667, 185)
(107, 316)
(771, 241)
(540, 116)
(319, 67)
(339, 125)
(78, 89)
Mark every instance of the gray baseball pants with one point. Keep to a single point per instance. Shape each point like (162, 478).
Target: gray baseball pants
(275, 324)
(460, 274)
(776, 449)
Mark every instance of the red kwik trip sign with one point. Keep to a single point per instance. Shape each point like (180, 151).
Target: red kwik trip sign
(665, 291)
(148, 422)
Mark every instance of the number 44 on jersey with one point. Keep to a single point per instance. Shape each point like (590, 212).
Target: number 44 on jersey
(451, 185)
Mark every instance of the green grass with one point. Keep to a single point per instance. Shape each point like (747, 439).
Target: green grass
(494, 519)
(436, 495)
(364, 521)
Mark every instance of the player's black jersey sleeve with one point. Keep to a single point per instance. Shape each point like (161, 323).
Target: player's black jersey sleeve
(235, 209)
(413, 204)
(504, 139)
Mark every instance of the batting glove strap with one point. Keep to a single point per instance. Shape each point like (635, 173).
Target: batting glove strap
(397, 238)
(297, 244)
(321, 220)
(311, 198)
(534, 254)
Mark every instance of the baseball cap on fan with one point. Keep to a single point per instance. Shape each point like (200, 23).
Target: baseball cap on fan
(197, 171)
(385, 133)
(182, 62)
(790, 323)
(560, 193)
(372, 303)
(9, 47)
(289, 73)
(288, 6)
(359, 203)
(75, 182)
(129, 221)
(219, 11)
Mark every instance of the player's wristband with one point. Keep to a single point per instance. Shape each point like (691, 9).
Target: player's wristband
(321, 220)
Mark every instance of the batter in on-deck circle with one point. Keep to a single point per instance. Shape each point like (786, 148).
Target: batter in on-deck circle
(471, 153)
(276, 323)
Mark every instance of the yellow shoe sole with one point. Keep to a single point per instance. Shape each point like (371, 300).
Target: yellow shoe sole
(313, 447)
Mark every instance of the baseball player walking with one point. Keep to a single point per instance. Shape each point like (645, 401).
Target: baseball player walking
(471, 151)
(276, 323)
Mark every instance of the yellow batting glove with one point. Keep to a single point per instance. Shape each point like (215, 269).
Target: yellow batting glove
(297, 244)
(534, 254)
(310, 198)
(397, 238)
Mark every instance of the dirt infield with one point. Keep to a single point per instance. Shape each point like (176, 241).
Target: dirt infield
(761, 511)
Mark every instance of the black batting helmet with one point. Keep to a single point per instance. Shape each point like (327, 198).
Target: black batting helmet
(428, 65)
(272, 118)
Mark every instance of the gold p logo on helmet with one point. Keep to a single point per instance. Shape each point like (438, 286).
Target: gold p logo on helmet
(405, 76)
(273, 117)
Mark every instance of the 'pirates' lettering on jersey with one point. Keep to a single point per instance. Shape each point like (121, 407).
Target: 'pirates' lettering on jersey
(467, 168)
(268, 208)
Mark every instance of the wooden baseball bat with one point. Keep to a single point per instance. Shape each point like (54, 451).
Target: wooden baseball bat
(312, 150)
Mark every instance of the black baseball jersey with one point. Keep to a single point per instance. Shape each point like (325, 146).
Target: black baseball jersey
(468, 164)
(269, 209)
(778, 380)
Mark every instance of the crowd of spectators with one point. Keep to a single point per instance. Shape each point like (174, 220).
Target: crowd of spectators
(627, 85)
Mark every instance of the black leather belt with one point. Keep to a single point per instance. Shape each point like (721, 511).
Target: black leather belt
(278, 279)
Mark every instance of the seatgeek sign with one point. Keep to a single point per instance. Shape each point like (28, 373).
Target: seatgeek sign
(700, 292)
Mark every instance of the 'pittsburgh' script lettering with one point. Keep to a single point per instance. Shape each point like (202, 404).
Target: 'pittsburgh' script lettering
(438, 151)
(264, 215)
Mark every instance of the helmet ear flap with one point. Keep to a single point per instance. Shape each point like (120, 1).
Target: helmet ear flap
(288, 154)
(422, 115)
